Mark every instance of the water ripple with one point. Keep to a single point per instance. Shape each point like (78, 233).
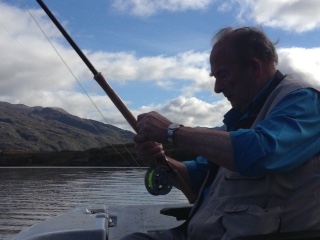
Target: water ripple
(31, 195)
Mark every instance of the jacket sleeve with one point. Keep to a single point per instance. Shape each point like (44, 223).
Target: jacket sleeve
(197, 169)
(287, 137)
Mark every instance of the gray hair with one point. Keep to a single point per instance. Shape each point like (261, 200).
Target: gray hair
(247, 42)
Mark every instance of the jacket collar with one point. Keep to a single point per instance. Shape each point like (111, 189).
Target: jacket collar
(234, 120)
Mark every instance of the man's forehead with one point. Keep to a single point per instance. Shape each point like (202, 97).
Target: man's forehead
(220, 53)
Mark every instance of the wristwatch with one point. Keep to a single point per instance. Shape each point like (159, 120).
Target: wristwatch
(172, 127)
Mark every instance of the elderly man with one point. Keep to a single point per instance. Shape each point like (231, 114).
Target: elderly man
(261, 172)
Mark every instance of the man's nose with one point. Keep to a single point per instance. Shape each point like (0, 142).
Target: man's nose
(218, 88)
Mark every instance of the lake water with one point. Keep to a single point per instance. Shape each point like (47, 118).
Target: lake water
(31, 195)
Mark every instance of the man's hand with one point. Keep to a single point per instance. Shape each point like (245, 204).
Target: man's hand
(153, 126)
(148, 151)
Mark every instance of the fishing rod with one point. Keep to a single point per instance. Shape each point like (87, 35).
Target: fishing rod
(159, 180)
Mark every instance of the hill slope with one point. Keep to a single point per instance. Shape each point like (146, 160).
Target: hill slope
(53, 129)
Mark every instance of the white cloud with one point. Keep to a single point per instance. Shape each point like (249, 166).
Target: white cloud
(192, 67)
(302, 62)
(291, 15)
(149, 7)
(31, 73)
(191, 111)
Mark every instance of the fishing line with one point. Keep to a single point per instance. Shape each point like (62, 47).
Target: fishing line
(11, 35)
(83, 89)
(159, 180)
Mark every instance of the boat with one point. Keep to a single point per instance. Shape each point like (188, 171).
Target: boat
(106, 222)
(114, 222)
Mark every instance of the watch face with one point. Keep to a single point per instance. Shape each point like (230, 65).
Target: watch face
(174, 126)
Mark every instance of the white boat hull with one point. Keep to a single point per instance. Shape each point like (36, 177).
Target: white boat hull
(101, 223)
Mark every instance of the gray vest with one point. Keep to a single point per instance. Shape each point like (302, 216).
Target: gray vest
(238, 205)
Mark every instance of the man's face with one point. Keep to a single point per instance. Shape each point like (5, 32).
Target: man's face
(235, 81)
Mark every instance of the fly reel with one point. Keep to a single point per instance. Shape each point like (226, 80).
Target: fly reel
(159, 181)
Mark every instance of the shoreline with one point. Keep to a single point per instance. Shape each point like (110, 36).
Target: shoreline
(121, 155)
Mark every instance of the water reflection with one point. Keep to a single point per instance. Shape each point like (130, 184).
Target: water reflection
(30, 195)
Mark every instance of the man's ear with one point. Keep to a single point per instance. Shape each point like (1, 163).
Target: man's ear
(256, 67)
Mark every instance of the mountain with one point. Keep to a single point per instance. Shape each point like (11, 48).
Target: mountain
(48, 136)
(53, 129)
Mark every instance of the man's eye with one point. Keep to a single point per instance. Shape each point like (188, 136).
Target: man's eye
(222, 74)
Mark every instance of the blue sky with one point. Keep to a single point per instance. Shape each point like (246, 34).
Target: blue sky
(154, 53)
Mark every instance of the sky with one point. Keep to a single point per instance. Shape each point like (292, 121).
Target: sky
(153, 53)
